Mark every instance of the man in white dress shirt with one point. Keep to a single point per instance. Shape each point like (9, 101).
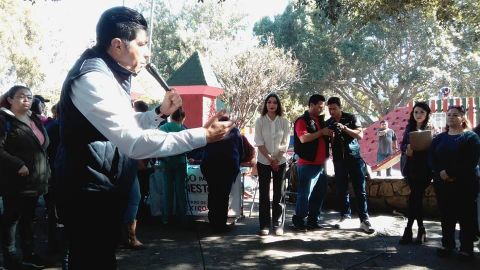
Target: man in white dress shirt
(101, 135)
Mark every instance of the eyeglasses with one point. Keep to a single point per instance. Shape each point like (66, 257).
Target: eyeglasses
(459, 108)
(24, 97)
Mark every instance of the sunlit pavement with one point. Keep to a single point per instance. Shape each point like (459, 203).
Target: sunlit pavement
(328, 248)
(171, 247)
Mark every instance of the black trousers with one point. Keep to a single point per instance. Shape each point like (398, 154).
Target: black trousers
(265, 174)
(219, 185)
(417, 185)
(18, 210)
(93, 221)
(456, 204)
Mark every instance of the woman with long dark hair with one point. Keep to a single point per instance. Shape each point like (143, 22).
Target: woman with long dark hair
(454, 158)
(272, 138)
(25, 174)
(417, 173)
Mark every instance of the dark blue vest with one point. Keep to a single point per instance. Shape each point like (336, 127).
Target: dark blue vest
(86, 160)
(308, 151)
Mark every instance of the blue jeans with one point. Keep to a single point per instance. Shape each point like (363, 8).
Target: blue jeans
(311, 191)
(382, 157)
(133, 202)
(352, 169)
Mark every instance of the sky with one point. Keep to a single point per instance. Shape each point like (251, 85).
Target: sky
(71, 25)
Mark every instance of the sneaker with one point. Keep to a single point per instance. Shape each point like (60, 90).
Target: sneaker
(264, 232)
(366, 226)
(278, 231)
(34, 261)
(341, 223)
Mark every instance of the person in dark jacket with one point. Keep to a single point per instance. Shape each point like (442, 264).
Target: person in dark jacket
(348, 164)
(454, 157)
(101, 137)
(417, 172)
(25, 174)
(220, 167)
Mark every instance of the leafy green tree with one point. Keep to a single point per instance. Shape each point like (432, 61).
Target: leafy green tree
(377, 66)
(208, 28)
(18, 43)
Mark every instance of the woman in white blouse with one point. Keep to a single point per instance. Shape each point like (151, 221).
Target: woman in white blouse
(272, 138)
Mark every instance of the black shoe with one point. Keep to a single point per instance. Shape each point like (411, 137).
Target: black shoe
(33, 261)
(298, 227)
(12, 262)
(444, 252)
(312, 226)
(407, 237)
(421, 236)
(221, 228)
(464, 256)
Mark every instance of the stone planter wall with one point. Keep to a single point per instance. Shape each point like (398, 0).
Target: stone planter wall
(386, 196)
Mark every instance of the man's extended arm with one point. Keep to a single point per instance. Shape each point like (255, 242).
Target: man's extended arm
(100, 99)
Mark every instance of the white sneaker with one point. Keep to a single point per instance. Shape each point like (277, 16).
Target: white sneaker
(341, 222)
(366, 226)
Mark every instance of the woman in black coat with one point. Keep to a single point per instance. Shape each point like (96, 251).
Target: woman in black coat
(417, 173)
(25, 174)
(454, 158)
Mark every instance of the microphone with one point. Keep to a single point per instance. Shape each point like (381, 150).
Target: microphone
(150, 67)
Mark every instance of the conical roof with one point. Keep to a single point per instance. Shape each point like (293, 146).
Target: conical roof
(195, 71)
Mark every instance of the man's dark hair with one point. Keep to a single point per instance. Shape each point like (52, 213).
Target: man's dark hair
(314, 99)
(119, 22)
(35, 108)
(140, 106)
(334, 100)
(178, 115)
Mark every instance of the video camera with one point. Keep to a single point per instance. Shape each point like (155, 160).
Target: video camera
(336, 129)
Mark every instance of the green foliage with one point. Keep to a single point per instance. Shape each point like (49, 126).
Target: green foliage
(205, 27)
(18, 45)
(375, 65)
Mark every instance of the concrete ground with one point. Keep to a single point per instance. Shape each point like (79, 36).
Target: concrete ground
(241, 248)
(329, 248)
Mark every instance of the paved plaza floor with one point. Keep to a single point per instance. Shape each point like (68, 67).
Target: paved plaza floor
(198, 248)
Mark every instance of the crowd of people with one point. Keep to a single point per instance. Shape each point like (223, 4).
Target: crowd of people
(89, 173)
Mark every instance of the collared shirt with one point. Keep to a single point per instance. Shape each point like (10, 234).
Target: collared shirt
(274, 135)
(107, 106)
(345, 146)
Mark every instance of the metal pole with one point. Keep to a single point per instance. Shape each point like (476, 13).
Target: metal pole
(150, 35)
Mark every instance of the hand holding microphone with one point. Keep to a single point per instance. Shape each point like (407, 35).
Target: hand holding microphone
(172, 100)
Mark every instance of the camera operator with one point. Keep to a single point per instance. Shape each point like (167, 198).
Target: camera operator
(348, 163)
